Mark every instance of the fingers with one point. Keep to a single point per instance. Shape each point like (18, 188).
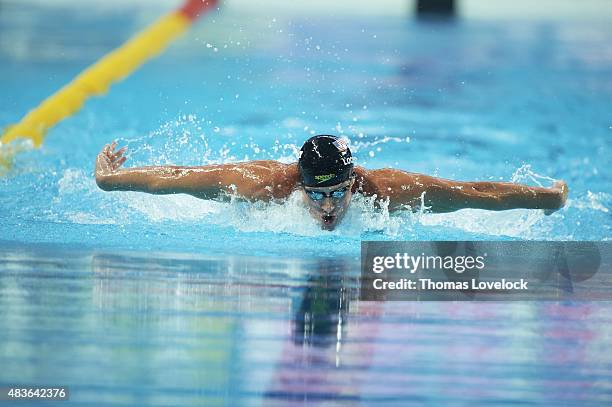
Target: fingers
(119, 153)
(109, 151)
(118, 158)
(119, 162)
(111, 159)
(103, 156)
(103, 164)
(109, 148)
(562, 186)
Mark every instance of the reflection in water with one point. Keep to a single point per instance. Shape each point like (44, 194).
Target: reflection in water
(323, 308)
(316, 365)
(173, 329)
(178, 333)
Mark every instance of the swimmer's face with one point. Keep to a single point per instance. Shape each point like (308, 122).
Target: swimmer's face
(328, 205)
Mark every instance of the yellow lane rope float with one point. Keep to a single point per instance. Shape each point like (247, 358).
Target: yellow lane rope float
(97, 78)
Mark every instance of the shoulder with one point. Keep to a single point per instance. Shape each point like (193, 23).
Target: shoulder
(286, 178)
(273, 179)
(370, 182)
(365, 181)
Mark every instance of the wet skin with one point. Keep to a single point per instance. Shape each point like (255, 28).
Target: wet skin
(329, 211)
(269, 180)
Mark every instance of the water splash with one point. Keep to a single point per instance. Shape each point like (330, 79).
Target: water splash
(524, 174)
(192, 140)
(599, 201)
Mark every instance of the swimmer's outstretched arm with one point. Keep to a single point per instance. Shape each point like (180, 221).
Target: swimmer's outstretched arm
(255, 180)
(441, 195)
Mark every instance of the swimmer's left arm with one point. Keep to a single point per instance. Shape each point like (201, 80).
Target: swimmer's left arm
(441, 195)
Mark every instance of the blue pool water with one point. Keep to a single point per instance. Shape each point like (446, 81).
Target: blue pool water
(172, 300)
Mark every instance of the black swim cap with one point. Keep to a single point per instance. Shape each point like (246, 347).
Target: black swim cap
(325, 161)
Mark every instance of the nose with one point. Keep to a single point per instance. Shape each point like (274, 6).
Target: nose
(327, 205)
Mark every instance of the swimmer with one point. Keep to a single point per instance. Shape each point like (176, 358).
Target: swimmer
(327, 179)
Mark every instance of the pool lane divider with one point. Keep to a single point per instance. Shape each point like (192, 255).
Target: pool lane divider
(97, 78)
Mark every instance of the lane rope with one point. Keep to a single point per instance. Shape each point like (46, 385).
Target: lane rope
(97, 78)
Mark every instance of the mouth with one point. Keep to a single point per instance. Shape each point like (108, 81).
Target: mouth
(328, 219)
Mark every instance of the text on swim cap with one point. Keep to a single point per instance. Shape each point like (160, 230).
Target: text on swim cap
(323, 178)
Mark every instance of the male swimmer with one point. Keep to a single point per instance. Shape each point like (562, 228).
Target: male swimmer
(327, 179)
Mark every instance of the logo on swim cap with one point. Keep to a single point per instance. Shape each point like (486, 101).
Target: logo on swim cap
(341, 144)
(323, 178)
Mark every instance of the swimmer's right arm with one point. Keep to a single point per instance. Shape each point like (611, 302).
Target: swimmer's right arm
(256, 180)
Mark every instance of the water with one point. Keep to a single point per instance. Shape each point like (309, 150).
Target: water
(176, 329)
(128, 297)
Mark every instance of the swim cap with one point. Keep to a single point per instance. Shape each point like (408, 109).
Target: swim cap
(325, 161)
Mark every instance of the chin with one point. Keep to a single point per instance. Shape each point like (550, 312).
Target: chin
(328, 227)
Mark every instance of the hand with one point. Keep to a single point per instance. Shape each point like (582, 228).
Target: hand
(560, 187)
(109, 160)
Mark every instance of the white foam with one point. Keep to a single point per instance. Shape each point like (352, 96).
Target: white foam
(72, 181)
(520, 223)
(177, 207)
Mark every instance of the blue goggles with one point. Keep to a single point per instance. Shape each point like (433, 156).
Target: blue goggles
(335, 195)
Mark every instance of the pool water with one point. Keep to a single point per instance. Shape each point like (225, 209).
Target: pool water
(187, 329)
(128, 297)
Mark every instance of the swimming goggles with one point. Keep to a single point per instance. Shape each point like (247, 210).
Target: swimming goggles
(335, 195)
